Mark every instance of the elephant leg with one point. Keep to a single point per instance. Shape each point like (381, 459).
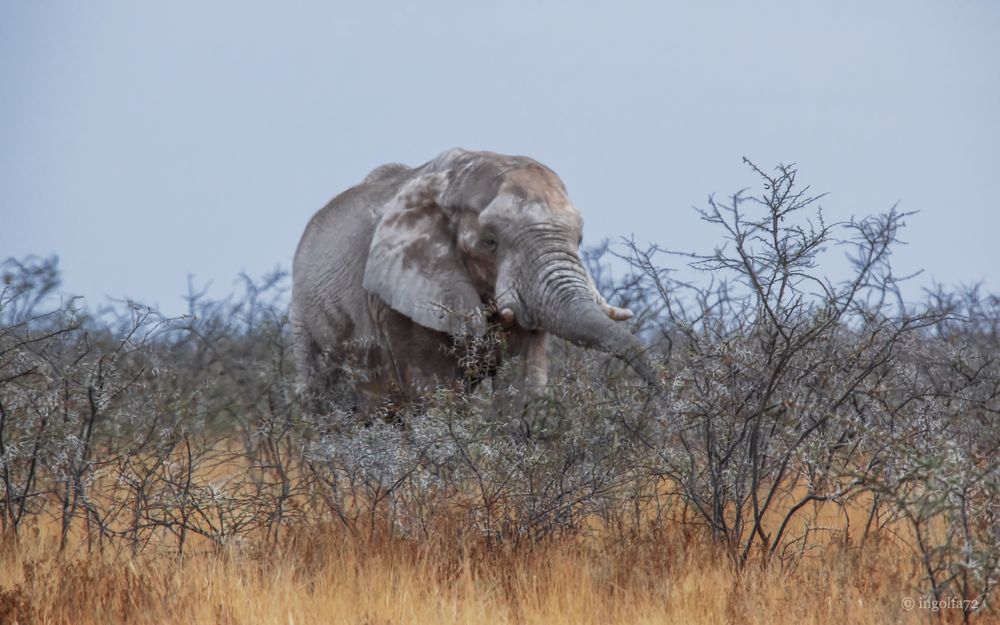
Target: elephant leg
(532, 349)
(304, 353)
(322, 384)
(536, 371)
(309, 385)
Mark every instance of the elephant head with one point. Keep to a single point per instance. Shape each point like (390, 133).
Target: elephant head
(471, 230)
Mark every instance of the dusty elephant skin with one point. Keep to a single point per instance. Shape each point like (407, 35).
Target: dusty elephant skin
(392, 269)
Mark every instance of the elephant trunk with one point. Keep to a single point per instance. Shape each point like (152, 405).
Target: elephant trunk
(561, 299)
(582, 321)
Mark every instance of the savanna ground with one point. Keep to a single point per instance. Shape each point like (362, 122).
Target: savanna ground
(323, 574)
(821, 451)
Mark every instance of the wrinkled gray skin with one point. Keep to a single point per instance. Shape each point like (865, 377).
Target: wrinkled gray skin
(390, 269)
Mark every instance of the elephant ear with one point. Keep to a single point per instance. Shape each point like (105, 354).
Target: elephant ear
(413, 264)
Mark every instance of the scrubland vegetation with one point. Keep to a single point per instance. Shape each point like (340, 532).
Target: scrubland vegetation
(821, 451)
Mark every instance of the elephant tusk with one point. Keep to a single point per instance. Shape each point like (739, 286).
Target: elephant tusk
(507, 317)
(613, 312)
(617, 314)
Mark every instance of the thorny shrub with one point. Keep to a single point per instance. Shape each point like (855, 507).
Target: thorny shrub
(784, 393)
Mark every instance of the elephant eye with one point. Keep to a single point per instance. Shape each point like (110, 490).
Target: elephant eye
(488, 243)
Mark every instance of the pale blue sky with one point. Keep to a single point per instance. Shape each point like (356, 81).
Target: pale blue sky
(144, 142)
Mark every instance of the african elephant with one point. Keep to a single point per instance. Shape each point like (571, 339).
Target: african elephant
(393, 268)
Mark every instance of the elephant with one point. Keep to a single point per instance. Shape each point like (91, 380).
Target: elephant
(392, 270)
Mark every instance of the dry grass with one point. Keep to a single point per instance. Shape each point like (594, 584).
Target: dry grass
(323, 574)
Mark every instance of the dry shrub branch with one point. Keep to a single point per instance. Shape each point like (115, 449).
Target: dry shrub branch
(791, 400)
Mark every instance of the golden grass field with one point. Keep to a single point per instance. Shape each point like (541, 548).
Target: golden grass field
(324, 574)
